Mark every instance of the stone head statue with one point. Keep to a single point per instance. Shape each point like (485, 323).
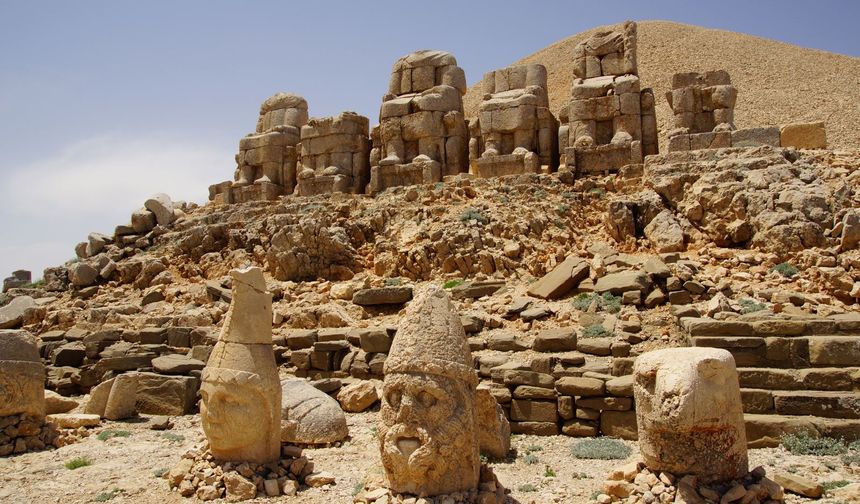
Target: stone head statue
(241, 396)
(22, 375)
(427, 435)
(282, 111)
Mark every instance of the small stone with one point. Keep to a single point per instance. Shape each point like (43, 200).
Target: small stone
(290, 488)
(319, 479)
(239, 488)
(799, 485)
(271, 487)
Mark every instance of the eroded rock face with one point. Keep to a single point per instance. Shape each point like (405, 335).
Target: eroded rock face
(241, 399)
(22, 375)
(427, 435)
(688, 409)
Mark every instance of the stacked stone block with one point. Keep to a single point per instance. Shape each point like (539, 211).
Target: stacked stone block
(796, 374)
(611, 118)
(267, 158)
(334, 155)
(515, 130)
(422, 134)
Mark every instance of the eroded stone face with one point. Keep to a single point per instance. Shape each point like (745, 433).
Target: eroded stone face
(427, 435)
(22, 375)
(427, 429)
(240, 406)
(688, 408)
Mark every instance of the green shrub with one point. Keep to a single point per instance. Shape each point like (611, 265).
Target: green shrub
(438, 186)
(804, 444)
(528, 487)
(36, 285)
(357, 488)
(833, 485)
(606, 302)
(602, 448)
(595, 331)
(533, 448)
(785, 269)
(549, 473)
(472, 214)
(563, 209)
(160, 472)
(751, 306)
(110, 433)
(850, 459)
(597, 192)
(77, 463)
(450, 284)
(173, 437)
(393, 282)
(530, 459)
(106, 496)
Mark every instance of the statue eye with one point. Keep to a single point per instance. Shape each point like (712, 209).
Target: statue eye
(393, 398)
(426, 398)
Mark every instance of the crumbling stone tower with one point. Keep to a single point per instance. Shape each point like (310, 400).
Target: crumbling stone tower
(267, 158)
(422, 131)
(334, 155)
(515, 131)
(612, 121)
(704, 110)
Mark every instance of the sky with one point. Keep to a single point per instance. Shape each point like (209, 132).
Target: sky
(103, 103)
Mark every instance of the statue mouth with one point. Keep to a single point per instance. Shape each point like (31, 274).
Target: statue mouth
(407, 445)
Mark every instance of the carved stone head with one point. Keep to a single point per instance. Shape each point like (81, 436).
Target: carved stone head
(241, 398)
(427, 435)
(22, 375)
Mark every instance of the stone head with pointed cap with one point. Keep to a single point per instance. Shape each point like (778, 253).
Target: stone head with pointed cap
(241, 397)
(427, 432)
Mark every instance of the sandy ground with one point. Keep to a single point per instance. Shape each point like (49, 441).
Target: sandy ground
(128, 466)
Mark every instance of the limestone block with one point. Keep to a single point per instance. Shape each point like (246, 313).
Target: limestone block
(803, 135)
(428, 408)
(600, 109)
(240, 405)
(688, 409)
(755, 137)
(22, 375)
(564, 277)
(310, 416)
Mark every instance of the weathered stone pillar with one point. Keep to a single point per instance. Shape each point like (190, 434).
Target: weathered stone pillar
(22, 375)
(241, 396)
(688, 408)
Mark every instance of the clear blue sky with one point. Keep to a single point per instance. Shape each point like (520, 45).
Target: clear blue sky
(104, 102)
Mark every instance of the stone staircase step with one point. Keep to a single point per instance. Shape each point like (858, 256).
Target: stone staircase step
(817, 403)
(765, 430)
(787, 352)
(829, 378)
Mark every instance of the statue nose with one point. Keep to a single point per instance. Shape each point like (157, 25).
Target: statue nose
(407, 409)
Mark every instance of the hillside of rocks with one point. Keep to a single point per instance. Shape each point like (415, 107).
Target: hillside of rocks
(777, 83)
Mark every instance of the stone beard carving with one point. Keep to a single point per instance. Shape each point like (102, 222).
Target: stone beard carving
(241, 399)
(427, 437)
(22, 375)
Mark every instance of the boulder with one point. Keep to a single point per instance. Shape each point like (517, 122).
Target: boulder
(799, 485)
(476, 289)
(561, 279)
(161, 205)
(358, 396)
(143, 221)
(665, 232)
(310, 416)
(623, 281)
(850, 230)
(55, 403)
(397, 294)
(159, 394)
(82, 274)
(12, 315)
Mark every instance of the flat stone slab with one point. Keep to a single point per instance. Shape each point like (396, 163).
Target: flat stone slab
(382, 295)
(176, 364)
(74, 420)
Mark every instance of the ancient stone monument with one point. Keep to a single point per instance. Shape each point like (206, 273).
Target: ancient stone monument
(427, 435)
(22, 375)
(266, 162)
(240, 404)
(422, 133)
(19, 278)
(515, 131)
(688, 409)
(612, 121)
(334, 155)
(704, 110)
